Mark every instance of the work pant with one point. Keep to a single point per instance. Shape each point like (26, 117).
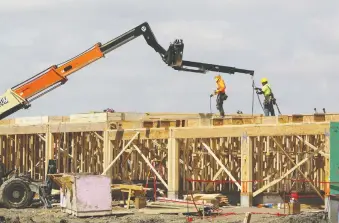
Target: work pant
(268, 108)
(221, 97)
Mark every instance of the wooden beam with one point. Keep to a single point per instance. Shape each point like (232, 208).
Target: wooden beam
(77, 127)
(215, 177)
(251, 130)
(99, 136)
(41, 137)
(289, 157)
(222, 165)
(173, 171)
(69, 155)
(121, 152)
(48, 150)
(308, 156)
(186, 166)
(313, 147)
(151, 166)
(159, 145)
(11, 130)
(158, 133)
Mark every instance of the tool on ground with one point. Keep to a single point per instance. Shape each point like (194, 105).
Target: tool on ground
(21, 95)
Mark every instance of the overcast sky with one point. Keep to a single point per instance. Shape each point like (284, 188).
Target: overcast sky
(295, 44)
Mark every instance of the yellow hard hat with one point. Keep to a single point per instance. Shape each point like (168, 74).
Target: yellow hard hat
(263, 80)
(217, 77)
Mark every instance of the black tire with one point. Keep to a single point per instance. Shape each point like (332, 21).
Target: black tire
(16, 193)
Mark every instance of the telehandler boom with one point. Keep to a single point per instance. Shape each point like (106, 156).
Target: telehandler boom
(21, 95)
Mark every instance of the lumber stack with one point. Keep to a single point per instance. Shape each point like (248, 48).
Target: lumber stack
(217, 200)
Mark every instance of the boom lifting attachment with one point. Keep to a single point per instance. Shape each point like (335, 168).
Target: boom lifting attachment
(21, 95)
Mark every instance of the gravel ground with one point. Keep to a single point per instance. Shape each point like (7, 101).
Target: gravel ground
(235, 215)
(310, 217)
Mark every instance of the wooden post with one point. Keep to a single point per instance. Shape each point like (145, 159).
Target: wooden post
(107, 155)
(48, 149)
(247, 218)
(246, 171)
(173, 167)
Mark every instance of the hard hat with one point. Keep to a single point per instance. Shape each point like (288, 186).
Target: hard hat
(217, 77)
(263, 80)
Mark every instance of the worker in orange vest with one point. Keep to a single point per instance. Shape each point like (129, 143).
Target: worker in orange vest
(221, 95)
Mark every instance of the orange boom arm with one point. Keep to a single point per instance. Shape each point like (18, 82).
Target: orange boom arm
(55, 75)
(21, 95)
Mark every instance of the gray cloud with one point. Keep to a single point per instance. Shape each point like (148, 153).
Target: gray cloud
(293, 43)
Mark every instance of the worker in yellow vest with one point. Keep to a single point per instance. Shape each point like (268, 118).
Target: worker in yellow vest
(269, 100)
(221, 95)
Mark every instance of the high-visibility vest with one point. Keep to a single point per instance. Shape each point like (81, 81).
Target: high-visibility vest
(267, 91)
(221, 87)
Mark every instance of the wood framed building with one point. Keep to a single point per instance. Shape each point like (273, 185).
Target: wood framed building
(185, 152)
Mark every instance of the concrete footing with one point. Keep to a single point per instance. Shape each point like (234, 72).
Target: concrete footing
(246, 199)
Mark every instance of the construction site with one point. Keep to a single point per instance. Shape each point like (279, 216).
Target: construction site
(239, 160)
(116, 166)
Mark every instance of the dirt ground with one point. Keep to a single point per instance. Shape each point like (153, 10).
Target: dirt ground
(235, 214)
